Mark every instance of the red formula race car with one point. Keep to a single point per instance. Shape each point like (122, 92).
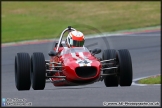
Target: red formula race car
(72, 67)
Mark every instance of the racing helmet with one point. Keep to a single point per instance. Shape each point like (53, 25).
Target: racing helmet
(75, 39)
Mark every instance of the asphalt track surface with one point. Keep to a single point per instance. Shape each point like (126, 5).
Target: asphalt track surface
(145, 52)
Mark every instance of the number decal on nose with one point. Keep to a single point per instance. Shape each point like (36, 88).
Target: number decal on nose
(84, 62)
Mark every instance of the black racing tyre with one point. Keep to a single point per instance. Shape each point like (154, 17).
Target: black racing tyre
(111, 80)
(22, 71)
(125, 67)
(38, 71)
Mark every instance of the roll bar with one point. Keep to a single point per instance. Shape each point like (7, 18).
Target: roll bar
(61, 36)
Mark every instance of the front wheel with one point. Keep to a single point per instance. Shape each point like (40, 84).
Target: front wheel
(112, 80)
(125, 67)
(38, 71)
(22, 71)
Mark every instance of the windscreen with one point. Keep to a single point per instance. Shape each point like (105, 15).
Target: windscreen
(74, 50)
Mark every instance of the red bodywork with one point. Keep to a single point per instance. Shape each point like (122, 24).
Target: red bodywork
(87, 74)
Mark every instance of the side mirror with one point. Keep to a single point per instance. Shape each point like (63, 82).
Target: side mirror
(90, 50)
(52, 53)
(96, 51)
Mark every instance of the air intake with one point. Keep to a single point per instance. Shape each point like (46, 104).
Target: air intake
(86, 72)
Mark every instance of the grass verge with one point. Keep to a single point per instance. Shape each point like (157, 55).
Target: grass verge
(44, 20)
(151, 80)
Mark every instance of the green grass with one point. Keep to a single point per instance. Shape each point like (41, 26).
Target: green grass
(39, 20)
(151, 80)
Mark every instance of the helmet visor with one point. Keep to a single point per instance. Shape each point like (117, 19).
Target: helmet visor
(76, 43)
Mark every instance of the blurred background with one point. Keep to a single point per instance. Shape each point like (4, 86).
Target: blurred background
(44, 20)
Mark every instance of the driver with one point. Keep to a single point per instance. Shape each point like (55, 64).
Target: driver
(75, 39)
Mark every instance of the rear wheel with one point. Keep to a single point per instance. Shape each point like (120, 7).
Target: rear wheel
(125, 67)
(22, 71)
(38, 71)
(110, 80)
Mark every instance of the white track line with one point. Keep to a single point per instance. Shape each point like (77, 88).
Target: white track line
(137, 84)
